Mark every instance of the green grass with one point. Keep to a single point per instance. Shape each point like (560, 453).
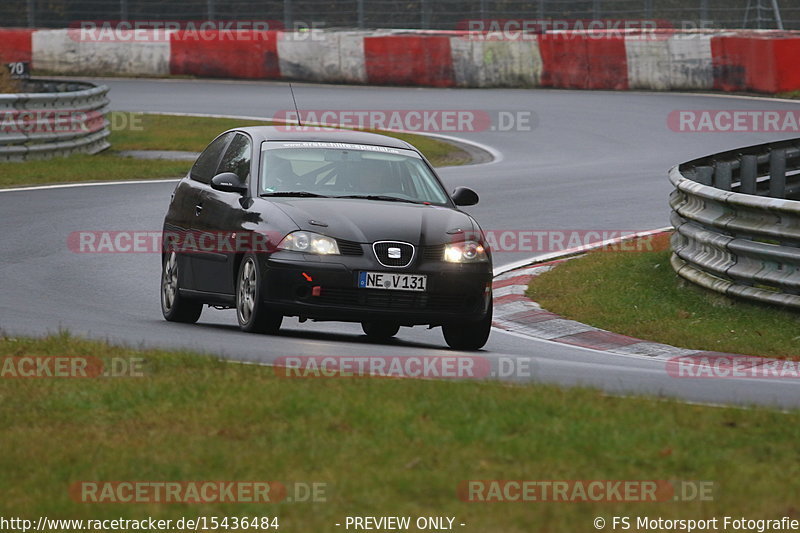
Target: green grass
(638, 294)
(383, 446)
(136, 131)
(107, 166)
(154, 132)
(140, 131)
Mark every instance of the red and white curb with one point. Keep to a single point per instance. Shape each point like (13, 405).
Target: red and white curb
(516, 313)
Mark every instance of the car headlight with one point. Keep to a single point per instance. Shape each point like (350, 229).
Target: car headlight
(465, 252)
(310, 243)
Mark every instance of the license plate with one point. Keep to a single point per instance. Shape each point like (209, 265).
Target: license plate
(393, 282)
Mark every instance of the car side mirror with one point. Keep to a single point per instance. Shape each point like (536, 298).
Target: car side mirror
(229, 182)
(464, 196)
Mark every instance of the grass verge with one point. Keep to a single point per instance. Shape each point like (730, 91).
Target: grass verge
(383, 446)
(638, 294)
(136, 131)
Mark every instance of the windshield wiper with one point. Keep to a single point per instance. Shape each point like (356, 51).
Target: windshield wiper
(300, 194)
(379, 197)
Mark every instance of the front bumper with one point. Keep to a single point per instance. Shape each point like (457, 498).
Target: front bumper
(456, 293)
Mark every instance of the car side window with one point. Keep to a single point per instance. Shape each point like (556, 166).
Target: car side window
(416, 181)
(237, 157)
(206, 165)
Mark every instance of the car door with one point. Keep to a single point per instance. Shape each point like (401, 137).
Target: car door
(223, 215)
(193, 200)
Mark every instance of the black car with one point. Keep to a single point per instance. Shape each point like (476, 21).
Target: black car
(330, 225)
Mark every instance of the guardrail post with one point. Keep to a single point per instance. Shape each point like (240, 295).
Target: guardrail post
(748, 174)
(288, 16)
(360, 7)
(777, 12)
(722, 175)
(777, 173)
(704, 175)
(31, 5)
(703, 12)
(425, 14)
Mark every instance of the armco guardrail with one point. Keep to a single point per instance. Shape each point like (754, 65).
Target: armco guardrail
(737, 222)
(53, 118)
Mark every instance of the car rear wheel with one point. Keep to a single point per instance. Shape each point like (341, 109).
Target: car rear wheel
(175, 307)
(380, 330)
(469, 335)
(254, 316)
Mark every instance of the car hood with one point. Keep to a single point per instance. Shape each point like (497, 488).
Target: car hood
(368, 221)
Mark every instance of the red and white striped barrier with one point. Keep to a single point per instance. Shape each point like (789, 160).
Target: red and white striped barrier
(763, 61)
(15, 45)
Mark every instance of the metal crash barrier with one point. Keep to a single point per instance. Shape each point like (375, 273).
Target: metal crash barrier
(53, 119)
(737, 222)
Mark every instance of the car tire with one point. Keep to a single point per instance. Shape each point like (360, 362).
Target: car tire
(469, 335)
(174, 307)
(253, 314)
(380, 330)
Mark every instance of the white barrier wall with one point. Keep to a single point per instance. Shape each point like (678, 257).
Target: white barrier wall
(664, 62)
(648, 62)
(66, 52)
(511, 63)
(323, 56)
(691, 64)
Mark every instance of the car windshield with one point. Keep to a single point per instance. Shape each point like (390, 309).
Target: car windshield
(343, 170)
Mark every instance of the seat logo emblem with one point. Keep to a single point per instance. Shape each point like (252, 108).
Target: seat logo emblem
(394, 253)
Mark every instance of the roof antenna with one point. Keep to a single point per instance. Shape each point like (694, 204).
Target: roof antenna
(295, 105)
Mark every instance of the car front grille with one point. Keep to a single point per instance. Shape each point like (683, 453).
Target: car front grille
(349, 247)
(385, 299)
(393, 253)
(433, 253)
(428, 253)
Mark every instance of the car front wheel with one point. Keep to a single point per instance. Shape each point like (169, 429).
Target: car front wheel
(468, 335)
(380, 330)
(254, 316)
(175, 307)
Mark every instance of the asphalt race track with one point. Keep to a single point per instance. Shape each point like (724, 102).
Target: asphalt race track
(592, 161)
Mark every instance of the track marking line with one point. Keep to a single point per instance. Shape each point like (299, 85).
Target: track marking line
(87, 184)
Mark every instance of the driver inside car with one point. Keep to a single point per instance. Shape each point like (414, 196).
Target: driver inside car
(279, 175)
(373, 177)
